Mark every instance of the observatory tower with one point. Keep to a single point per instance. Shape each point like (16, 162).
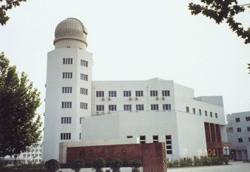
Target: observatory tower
(68, 86)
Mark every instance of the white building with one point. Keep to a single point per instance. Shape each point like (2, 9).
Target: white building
(238, 129)
(154, 110)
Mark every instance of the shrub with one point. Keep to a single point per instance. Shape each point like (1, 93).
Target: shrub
(77, 164)
(176, 163)
(224, 159)
(2, 163)
(135, 164)
(170, 163)
(116, 165)
(183, 163)
(189, 161)
(98, 164)
(206, 160)
(52, 165)
(197, 161)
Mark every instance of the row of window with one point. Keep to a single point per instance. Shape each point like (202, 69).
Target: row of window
(33, 155)
(139, 107)
(240, 140)
(200, 112)
(69, 105)
(239, 129)
(68, 61)
(238, 119)
(69, 75)
(69, 90)
(153, 93)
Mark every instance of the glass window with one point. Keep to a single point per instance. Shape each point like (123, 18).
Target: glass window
(112, 93)
(139, 93)
(153, 93)
(165, 93)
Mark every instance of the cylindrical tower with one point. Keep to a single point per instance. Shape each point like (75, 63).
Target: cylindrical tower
(68, 86)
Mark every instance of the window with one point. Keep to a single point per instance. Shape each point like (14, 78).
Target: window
(129, 137)
(126, 93)
(67, 75)
(112, 107)
(142, 139)
(65, 120)
(99, 107)
(154, 93)
(155, 139)
(248, 118)
(200, 112)
(238, 129)
(211, 114)
(205, 113)
(84, 91)
(166, 107)
(112, 93)
(84, 77)
(249, 139)
(139, 93)
(66, 104)
(154, 107)
(65, 136)
(193, 110)
(84, 63)
(240, 140)
(139, 107)
(99, 93)
(80, 136)
(67, 61)
(66, 89)
(187, 109)
(230, 130)
(127, 107)
(68, 46)
(169, 144)
(248, 128)
(216, 115)
(165, 93)
(237, 119)
(83, 105)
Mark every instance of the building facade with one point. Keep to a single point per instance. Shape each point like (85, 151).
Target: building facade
(238, 133)
(154, 110)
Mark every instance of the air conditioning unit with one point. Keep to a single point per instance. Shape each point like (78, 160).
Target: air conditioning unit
(97, 113)
(163, 98)
(136, 98)
(109, 99)
(130, 98)
(103, 99)
(157, 98)
(103, 112)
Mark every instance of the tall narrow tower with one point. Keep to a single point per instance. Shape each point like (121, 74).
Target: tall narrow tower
(68, 86)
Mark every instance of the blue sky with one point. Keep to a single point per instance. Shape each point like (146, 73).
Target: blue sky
(136, 40)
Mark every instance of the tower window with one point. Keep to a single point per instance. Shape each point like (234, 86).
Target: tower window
(67, 75)
(155, 139)
(66, 89)
(216, 115)
(84, 91)
(67, 61)
(84, 63)
(205, 113)
(127, 107)
(99, 93)
(99, 107)
(139, 93)
(112, 93)
(193, 110)
(65, 120)
(139, 107)
(142, 139)
(165, 93)
(112, 107)
(248, 118)
(65, 136)
(238, 129)
(166, 106)
(237, 119)
(154, 93)
(187, 109)
(154, 107)
(126, 93)
(84, 77)
(240, 140)
(200, 112)
(211, 114)
(66, 105)
(83, 105)
(169, 144)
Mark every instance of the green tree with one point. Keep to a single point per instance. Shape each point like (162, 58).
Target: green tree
(98, 164)
(116, 165)
(52, 165)
(77, 164)
(19, 128)
(9, 4)
(135, 164)
(220, 10)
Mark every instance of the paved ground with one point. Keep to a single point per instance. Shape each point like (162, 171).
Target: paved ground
(237, 166)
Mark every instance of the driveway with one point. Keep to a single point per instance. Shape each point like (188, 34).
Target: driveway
(237, 166)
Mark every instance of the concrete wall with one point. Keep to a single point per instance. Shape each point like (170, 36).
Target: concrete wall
(124, 169)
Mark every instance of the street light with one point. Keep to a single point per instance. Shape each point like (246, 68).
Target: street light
(226, 148)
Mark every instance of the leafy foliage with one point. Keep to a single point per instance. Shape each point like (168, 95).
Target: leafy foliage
(18, 103)
(77, 165)
(52, 165)
(136, 164)
(116, 164)
(98, 164)
(220, 10)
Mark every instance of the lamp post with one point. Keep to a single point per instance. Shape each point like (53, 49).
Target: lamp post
(226, 148)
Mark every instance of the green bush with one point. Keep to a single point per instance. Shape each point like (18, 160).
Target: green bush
(183, 163)
(116, 164)
(98, 164)
(170, 163)
(176, 163)
(135, 170)
(206, 160)
(197, 161)
(224, 160)
(135, 164)
(52, 165)
(77, 164)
